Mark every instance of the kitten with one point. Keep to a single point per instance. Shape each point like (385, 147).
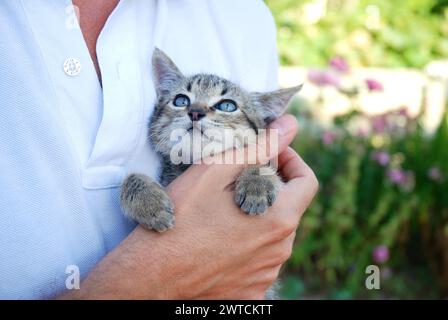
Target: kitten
(197, 105)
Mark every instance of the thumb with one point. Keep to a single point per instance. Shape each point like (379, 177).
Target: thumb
(270, 143)
(286, 127)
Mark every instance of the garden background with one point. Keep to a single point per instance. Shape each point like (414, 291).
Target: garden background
(374, 127)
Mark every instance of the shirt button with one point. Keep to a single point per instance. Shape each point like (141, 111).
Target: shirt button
(72, 67)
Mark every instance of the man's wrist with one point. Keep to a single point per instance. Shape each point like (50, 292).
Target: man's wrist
(133, 270)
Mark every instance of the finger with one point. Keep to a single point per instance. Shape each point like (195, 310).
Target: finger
(302, 183)
(269, 145)
(291, 165)
(291, 238)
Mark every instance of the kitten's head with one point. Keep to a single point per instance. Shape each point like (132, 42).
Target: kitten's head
(224, 114)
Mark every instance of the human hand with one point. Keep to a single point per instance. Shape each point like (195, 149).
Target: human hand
(215, 251)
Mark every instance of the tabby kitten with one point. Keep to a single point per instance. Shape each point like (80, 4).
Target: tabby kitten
(197, 105)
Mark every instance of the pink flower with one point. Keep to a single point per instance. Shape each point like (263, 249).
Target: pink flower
(339, 64)
(328, 137)
(380, 254)
(397, 176)
(374, 85)
(435, 174)
(404, 179)
(404, 112)
(362, 132)
(379, 123)
(382, 157)
(323, 78)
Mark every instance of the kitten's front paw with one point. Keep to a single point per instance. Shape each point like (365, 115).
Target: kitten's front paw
(160, 221)
(144, 200)
(254, 193)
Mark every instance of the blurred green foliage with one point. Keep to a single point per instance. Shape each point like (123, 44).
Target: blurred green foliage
(383, 179)
(362, 206)
(383, 33)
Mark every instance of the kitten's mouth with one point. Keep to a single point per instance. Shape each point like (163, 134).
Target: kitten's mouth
(201, 129)
(192, 127)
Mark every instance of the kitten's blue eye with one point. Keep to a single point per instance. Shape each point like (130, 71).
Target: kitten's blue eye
(181, 100)
(226, 106)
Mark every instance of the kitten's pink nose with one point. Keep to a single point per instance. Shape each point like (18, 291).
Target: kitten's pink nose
(196, 114)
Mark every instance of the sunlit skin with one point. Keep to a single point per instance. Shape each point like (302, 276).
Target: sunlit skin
(214, 251)
(92, 18)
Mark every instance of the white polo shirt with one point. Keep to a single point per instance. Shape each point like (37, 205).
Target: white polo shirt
(66, 142)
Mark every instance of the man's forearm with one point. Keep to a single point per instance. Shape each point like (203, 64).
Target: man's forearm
(131, 271)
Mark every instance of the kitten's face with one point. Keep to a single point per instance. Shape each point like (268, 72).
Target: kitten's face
(208, 109)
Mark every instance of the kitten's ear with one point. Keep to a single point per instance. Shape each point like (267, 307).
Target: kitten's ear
(165, 72)
(274, 103)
